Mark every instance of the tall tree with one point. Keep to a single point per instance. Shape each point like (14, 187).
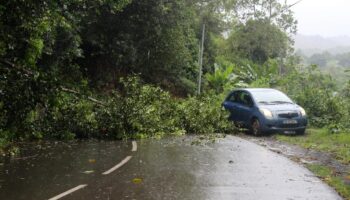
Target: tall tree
(151, 37)
(277, 13)
(257, 40)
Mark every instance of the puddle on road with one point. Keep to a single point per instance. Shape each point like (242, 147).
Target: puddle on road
(49, 168)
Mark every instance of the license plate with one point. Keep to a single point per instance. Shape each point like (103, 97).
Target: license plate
(290, 121)
(289, 132)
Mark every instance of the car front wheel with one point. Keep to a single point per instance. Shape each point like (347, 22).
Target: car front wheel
(256, 127)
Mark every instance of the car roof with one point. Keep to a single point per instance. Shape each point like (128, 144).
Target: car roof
(255, 89)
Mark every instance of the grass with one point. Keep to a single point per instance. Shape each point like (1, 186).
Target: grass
(327, 175)
(320, 139)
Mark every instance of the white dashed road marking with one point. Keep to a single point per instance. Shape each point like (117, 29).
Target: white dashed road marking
(134, 148)
(118, 165)
(68, 192)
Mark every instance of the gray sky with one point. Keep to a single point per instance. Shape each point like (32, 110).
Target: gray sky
(323, 17)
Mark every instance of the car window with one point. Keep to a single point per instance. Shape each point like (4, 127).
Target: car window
(234, 97)
(246, 99)
(270, 97)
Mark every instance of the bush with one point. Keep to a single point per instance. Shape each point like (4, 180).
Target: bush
(144, 110)
(203, 115)
(136, 110)
(315, 92)
(23, 95)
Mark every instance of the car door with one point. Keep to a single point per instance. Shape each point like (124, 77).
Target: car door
(245, 107)
(231, 104)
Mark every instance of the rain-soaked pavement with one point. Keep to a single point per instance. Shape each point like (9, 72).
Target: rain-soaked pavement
(173, 168)
(302, 155)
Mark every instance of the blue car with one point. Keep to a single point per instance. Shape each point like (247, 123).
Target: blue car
(264, 110)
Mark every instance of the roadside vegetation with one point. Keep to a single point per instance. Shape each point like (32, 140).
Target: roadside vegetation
(129, 69)
(321, 139)
(331, 178)
(121, 69)
(333, 63)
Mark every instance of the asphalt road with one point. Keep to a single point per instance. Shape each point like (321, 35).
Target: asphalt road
(230, 168)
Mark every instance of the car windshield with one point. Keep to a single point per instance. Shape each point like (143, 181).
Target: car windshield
(271, 97)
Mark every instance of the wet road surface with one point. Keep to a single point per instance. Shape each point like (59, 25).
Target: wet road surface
(48, 169)
(230, 168)
(303, 155)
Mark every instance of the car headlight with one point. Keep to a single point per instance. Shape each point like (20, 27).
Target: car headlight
(267, 113)
(302, 111)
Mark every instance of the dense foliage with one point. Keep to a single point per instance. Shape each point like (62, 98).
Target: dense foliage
(257, 40)
(123, 68)
(137, 110)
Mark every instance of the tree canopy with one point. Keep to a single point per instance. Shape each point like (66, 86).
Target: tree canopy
(257, 40)
(72, 61)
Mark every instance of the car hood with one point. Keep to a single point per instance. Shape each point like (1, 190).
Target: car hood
(281, 107)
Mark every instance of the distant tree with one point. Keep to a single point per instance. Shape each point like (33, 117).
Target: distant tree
(257, 40)
(344, 59)
(217, 17)
(279, 14)
(320, 59)
(346, 89)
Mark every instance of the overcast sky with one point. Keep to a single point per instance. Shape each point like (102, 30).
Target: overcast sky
(323, 17)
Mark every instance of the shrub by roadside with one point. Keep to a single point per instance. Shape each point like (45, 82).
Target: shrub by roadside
(143, 111)
(331, 178)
